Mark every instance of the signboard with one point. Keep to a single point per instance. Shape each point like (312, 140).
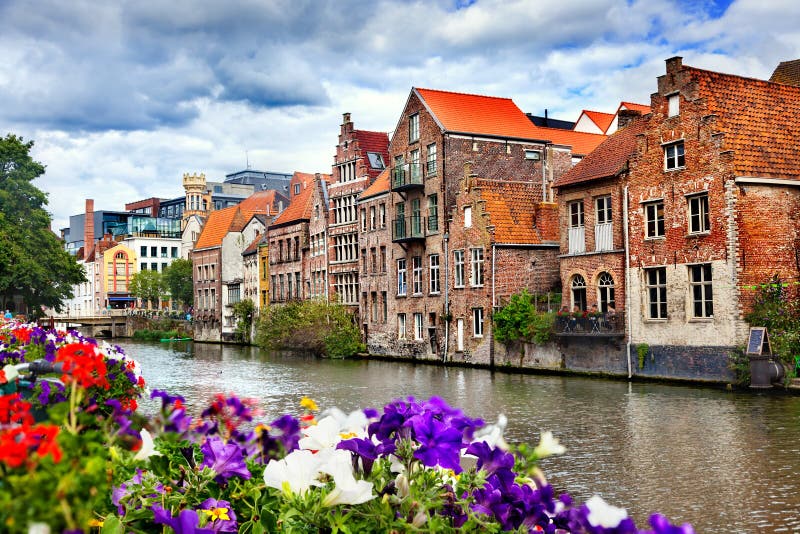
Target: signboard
(758, 342)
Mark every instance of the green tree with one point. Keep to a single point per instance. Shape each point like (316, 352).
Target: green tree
(777, 307)
(33, 262)
(148, 286)
(315, 326)
(245, 313)
(178, 279)
(519, 321)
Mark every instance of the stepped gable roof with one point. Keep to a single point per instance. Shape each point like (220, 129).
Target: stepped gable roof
(511, 207)
(379, 186)
(477, 114)
(760, 121)
(787, 72)
(602, 120)
(609, 158)
(582, 143)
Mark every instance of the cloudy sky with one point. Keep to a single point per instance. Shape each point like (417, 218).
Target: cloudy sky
(121, 98)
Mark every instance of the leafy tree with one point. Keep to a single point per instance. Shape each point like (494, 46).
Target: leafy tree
(314, 326)
(245, 312)
(777, 307)
(519, 321)
(178, 279)
(148, 286)
(33, 263)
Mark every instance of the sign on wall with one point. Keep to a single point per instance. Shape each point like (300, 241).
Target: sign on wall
(758, 342)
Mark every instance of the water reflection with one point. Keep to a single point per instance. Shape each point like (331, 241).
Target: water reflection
(726, 462)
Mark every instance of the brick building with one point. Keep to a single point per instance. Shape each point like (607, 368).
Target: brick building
(437, 134)
(360, 156)
(374, 279)
(217, 258)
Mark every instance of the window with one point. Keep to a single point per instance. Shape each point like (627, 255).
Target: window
(468, 217)
(654, 219)
(458, 268)
(674, 102)
(702, 297)
(163, 266)
(163, 252)
(413, 128)
(576, 235)
(153, 266)
(376, 160)
(605, 290)
(372, 218)
(401, 277)
(373, 307)
(673, 156)
(233, 294)
(401, 325)
(383, 259)
(296, 189)
(363, 219)
(382, 214)
(416, 274)
(603, 230)
(289, 284)
(698, 214)
(431, 164)
(576, 214)
(414, 168)
(477, 267)
(656, 282)
(143, 252)
(373, 253)
(153, 252)
(578, 289)
(418, 331)
(385, 303)
(477, 322)
(142, 266)
(433, 262)
(174, 252)
(433, 213)
(460, 335)
(603, 206)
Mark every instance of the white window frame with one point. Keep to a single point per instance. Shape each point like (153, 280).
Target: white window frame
(656, 287)
(674, 156)
(468, 217)
(419, 329)
(413, 128)
(416, 275)
(477, 322)
(458, 268)
(699, 221)
(401, 326)
(702, 290)
(654, 217)
(433, 272)
(402, 281)
(673, 105)
(476, 267)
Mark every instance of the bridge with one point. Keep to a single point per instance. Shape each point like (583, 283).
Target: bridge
(111, 323)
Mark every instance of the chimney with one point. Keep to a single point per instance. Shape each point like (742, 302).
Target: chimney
(625, 117)
(347, 125)
(88, 226)
(674, 64)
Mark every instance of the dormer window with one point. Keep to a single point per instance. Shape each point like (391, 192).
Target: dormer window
(674, 156)
(673, 105)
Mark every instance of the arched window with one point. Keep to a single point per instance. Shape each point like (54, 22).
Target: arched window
(605, 291)
(578, 286)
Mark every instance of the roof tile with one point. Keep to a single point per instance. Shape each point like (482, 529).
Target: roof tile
(512, 208)
(380, 185)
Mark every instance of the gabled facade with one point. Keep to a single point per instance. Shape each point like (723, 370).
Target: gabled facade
(117, 267)
(361, 156)
(241, 235)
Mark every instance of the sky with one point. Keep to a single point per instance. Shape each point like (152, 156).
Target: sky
(121, 98)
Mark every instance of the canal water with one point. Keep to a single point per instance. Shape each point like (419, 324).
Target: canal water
(724, 461)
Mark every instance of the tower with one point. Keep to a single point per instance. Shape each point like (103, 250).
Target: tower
(198, 200)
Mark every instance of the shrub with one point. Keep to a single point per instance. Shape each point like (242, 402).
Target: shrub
(519, 321)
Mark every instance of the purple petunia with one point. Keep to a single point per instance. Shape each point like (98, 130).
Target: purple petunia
(440, 444)
(225, 459)
(187, 521)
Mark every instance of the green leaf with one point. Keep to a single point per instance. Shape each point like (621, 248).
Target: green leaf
(111, 525)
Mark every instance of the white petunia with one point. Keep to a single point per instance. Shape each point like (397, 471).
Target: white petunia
(548, 446)
(148, 447)
(324, 435)
(354, 423)
(347, 489)
(603, 514)
(297, 472)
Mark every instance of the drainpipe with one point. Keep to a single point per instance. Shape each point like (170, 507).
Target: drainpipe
(491, 329)
(446, 238)
(627, 277)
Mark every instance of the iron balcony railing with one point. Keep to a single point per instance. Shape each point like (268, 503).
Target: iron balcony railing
(408, 228)
(407, 176)
(589, 324)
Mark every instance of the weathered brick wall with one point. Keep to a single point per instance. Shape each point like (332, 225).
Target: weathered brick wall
(378, 332)
(768, 234)
(278, 267)
(207, 321)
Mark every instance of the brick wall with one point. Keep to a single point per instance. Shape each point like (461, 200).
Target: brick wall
(289, 265)
(207, 319)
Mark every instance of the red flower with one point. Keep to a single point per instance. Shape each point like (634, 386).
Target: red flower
(22, 334)
(17, 443)
(14, 410)
(83, 364)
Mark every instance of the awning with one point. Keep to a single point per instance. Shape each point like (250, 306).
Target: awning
(122, 298)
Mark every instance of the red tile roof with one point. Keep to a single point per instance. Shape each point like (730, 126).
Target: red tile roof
(476, 114)
(217, 226)
(602, 120)
(760, 121)
(299, 208)
(787, 72)
(373, 142)
(642, 108)
(380, 185)
(252, 248)
(582, 143)
(608, 158)
(511, 208)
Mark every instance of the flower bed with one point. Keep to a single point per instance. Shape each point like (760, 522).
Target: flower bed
(90, 462)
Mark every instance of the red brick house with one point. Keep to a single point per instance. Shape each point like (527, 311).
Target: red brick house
(437, 134)
(361, 156)
(374, 279)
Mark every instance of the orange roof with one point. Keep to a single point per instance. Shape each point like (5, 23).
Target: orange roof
(217, 226)
(760, 121)
(602, 120)
(511, 207)
(643, 108)
(476, 114)
(787, 72)
(608, 158)
(300, 206)
(380, 185)
(582, 143)
(259, 202)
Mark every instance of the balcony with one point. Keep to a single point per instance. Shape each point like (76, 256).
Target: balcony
(407, 177)
(405, 229)
(602, 325)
